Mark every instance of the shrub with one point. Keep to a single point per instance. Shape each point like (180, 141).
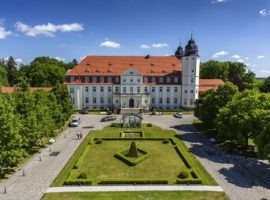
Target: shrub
(133, 150)
(135, 181)
(109, 112)
(149, 125)
(166, 141)
(82, 175)
(183, 175)
(177, 148)
(99, 141)
(188, 181)
(78, 182)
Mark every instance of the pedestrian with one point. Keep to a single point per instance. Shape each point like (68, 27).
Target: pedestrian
(78, 135)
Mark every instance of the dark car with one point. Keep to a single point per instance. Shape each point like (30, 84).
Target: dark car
(84, 111)
(108, 118)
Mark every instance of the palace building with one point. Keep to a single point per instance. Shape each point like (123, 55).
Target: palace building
(139, 83)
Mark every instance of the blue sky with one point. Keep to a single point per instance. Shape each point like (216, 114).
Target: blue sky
(236, 30)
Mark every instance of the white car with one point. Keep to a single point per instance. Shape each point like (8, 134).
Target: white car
(178, 115)
(75, 122)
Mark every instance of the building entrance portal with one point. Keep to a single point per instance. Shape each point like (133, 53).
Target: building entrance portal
(131, 103)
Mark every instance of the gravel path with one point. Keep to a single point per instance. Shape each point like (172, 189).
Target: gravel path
(131, 188)
(42, 169)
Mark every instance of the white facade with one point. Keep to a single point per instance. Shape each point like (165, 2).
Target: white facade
(133, 92)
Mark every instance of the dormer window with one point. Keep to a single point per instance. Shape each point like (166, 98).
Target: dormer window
(101, 79)
(168, 79)
(161, 79)
(176, 79)
(109, 79)
(145, 79)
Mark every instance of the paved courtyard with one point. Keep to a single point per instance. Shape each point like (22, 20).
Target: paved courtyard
(233, 174)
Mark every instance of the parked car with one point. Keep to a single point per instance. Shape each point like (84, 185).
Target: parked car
(84, 110)
(75, 122)
(178, 115)
(212, 140)
(108, 118)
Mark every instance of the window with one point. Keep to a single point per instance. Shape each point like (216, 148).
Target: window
(138, 80)
(101, 89)
(175, 100)
(168, 89)
(145, 89)
(109, 100)
(116, 89)
(185, 101)
(191, 91)
(131, 80)
(109, 89)
(116, 101)
(176, 79)
(160, 100)
(72, 78)
(109, 79)
(191, 102)
(168, 100)
(175, 89)
(124, 80)
(145, 101)
(192, 80)
(124, 89)
(86, 88)
(94, 79)
(161, 79)
(168, 79)
(153, 89)
(117, 79)
(86, 100)
(153, 100)
(185, 91)
(94, 100)
(71, 90)
(101, 100)
(138, 89)
(192, 70)
(131, 72)
(86, 79)
(160, 89)
(94, 89)
(145, 79)
(101, 79)
(153, 79)
(131, 89)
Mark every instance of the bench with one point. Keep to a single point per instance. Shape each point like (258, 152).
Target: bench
(52, 140)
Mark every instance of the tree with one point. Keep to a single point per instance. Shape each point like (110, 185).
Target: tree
(133, 152)
(265, 87)
(46, 72)
(10, 139)
(241, 119)
(71, 64)
(11, 67)
(208, 105)
(3, 76)
(214, 69)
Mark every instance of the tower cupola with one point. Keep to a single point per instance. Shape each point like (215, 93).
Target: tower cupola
(191, 48)
(179, 53)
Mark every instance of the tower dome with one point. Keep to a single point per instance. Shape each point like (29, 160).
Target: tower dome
(191, 48)
(179, 53)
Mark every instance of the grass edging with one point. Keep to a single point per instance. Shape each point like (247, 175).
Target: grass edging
(134, 181)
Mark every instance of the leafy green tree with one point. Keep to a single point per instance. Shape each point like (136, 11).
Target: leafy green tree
(71, 64)
(208, 105)
(11, 67)
(214, 70)
(240, 120)
(11, 152)
(265, 87)
(46, 72)
(3, 76)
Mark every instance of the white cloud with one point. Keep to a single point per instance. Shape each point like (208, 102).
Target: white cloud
(159, 45)
(4, 33)
(220, 54)
(218, 1)
(47, 29)
(59, 58)
(145, 46)
(240, 60)
(109, 43)
(236, 56)
(260, 57)
(18, 60)
(267, 72)
(264, 12)
(246, 58)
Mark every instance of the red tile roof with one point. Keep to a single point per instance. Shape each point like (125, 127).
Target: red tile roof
(116, 65)
(207, 84)
(32, 89)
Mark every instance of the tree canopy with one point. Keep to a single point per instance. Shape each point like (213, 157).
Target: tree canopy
(265, 87)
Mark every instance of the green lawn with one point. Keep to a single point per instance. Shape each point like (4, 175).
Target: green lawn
(136, 196)
(99, 163)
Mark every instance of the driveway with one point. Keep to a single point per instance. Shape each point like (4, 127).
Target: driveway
(240, 178)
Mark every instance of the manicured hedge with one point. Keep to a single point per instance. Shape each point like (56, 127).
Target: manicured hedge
(78, 182)
(130, 161)
(188, 181)
(134, 181)
(82, 157)
(135, 138)
(122, 133)
(178, 150)
(173, 141)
